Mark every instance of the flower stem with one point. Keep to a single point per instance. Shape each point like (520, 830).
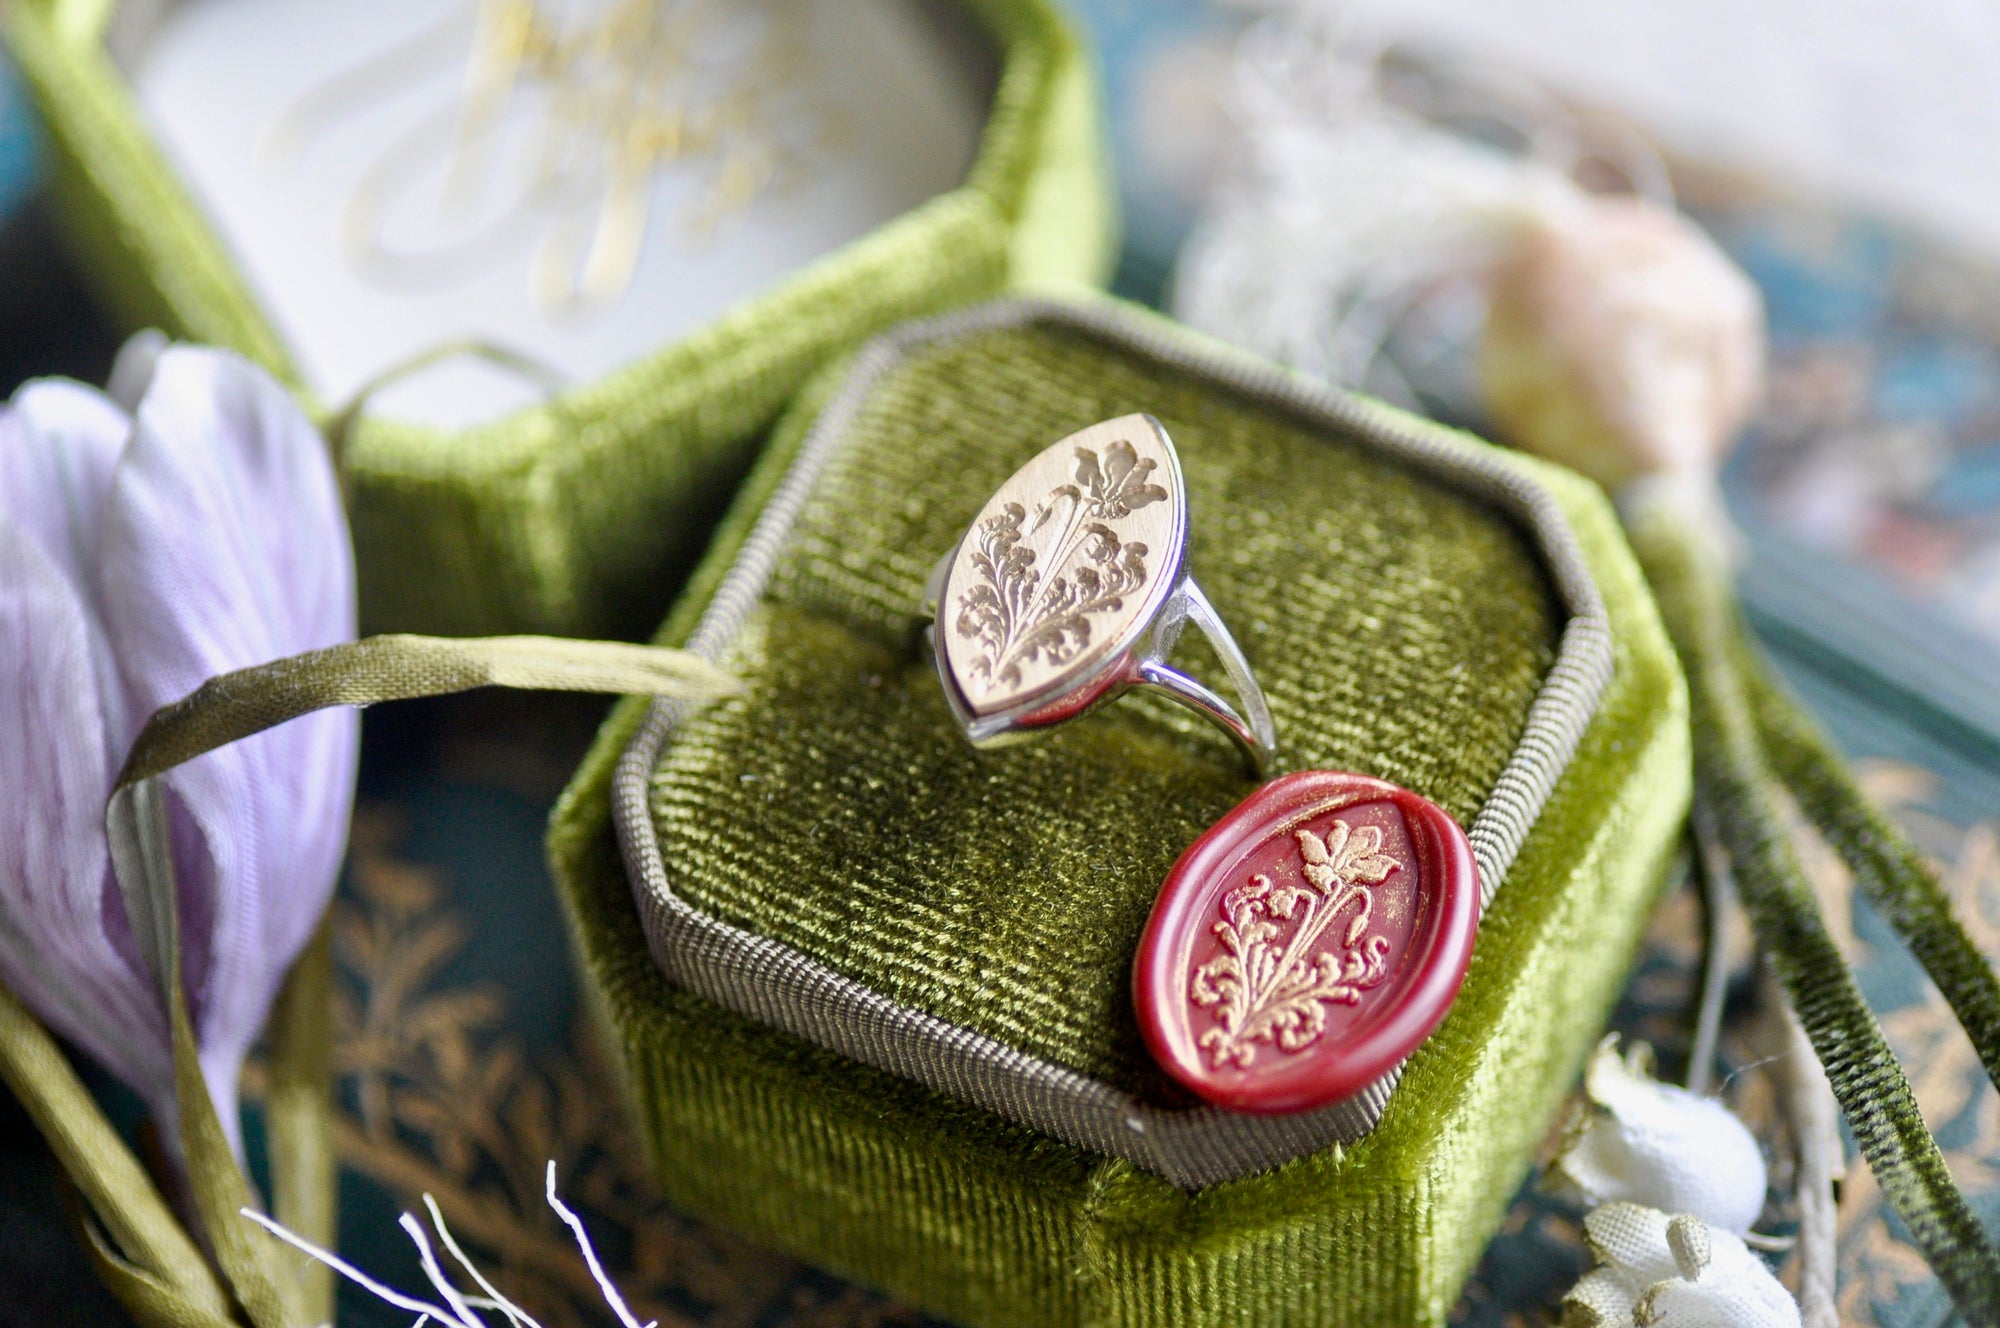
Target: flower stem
(304, 1168)
(111, 1181)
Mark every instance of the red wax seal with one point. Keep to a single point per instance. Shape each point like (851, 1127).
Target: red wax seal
(1307, 942)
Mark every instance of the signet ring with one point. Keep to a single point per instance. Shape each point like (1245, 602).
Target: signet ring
(1071, 587)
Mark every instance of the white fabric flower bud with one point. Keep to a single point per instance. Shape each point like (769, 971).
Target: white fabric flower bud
(1654, 1144)
(1622, 342)
(1657, 1271)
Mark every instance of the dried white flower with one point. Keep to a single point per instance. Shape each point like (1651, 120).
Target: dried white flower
(1650, 1143)
(1623, 342)
(1335, 211)
(1657, 1271)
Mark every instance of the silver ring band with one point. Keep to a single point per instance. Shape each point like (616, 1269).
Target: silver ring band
(1071, 588)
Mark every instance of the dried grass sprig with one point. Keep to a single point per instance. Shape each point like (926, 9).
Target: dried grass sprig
(458, 1310)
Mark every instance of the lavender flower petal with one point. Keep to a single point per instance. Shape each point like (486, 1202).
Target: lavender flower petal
(56, 953)
(59, 446)
(132, 370)
(224, 545)
(64, 944)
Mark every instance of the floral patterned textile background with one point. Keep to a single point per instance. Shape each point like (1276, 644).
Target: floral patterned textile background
(464, 1065)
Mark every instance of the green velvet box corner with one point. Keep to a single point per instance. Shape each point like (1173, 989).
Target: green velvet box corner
(988, 1222)
(571, 516)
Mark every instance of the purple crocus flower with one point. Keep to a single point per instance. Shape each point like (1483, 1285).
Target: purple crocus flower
(145, 546)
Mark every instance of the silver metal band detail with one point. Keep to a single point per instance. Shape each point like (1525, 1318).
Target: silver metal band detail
(1252, 729)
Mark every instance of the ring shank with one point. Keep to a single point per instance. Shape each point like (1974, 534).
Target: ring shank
(1252, 729)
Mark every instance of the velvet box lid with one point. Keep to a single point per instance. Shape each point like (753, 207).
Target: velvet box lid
(568, 514)
(871, 986)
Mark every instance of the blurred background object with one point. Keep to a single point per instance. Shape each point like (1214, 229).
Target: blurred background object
(1845, 158)
(596, 180)
(1873, 105)
(17, 143)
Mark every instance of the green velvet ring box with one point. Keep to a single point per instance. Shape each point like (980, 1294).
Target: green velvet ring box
(570, 513)
(870, 986)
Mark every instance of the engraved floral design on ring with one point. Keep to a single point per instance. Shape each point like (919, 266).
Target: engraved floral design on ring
(1017, 617)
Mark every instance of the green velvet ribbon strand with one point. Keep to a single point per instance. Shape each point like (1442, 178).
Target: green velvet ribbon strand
(298, 1114)
(235, 1275)
(1886, 865)
(1751, 742)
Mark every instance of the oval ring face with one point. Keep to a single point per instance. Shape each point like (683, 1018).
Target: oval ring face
(1065, 566)
(1306, 943)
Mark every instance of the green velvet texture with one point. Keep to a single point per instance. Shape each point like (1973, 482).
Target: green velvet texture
(991, 1223)
(573, 516)
(1398, 629)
